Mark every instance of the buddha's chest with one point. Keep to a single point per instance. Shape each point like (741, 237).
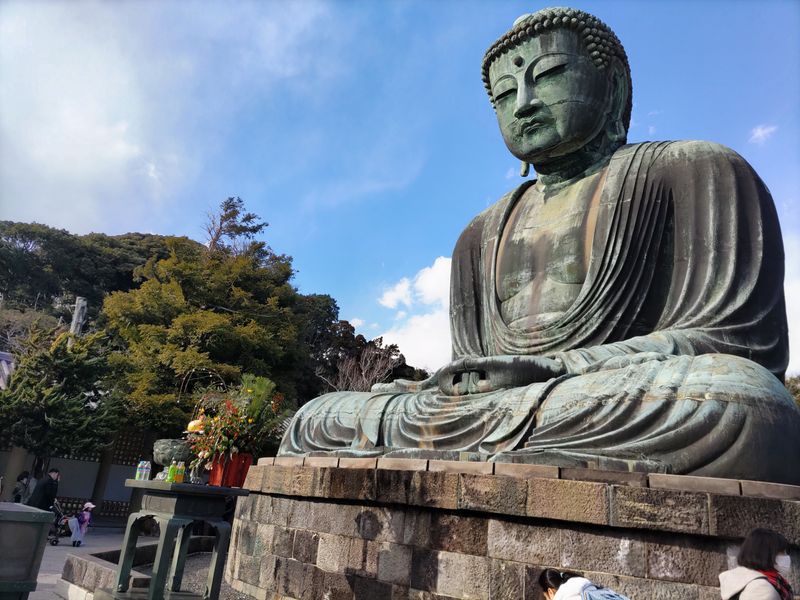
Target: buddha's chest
(544, 250)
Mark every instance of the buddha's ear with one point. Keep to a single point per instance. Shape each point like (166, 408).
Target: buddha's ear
(620, 91)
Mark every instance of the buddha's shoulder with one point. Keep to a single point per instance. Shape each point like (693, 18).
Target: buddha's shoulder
(682, 154)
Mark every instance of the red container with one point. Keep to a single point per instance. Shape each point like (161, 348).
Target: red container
(230, 473)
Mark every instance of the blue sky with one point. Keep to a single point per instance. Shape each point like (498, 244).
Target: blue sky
(359, 130)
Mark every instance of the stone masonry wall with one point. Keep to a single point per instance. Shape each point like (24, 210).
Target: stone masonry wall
(354, 529)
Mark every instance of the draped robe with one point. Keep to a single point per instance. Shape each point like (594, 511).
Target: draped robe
(674, 349)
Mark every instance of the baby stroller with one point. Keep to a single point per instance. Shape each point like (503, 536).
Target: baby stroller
(60, 527)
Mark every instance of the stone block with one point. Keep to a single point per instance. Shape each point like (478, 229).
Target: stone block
(394, 563)
(524, 542)
(462, 575)
(458, 533)
(506, 580)
(461, 466)
(267, 576)
(434, 489)
(247, 537)
(290, 577)
(669, 510)
(424, 569)
(734, 517)
(602, 476)
(687, 560)
(370, 588)
(581, 501)
(265, 461)
(305, 546)
(403, 464)
(282, 542)
(352, 483)
(380, 523)
(358, 463)
(311, 482)
(281, 510)
(260, 508)
(278, 479)
(635, 588)
(264, 539)
(339, 519)
(420, 488)
(321, 461)
(707, 593)
(333, 551)
(249, 569)
(417, 528)
(524, 471)
(254, 479)
(763, 489)
(334, 586)
(690, 483)
(609, 551)
(288, 461)
(492, 493)
(393, 486)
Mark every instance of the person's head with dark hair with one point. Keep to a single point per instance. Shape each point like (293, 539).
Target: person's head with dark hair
(24, 475)
(552, 579)
(760, 549)
(54, 473)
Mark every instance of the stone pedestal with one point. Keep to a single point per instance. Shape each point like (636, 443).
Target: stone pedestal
(23, 537)
(397, 529)
(175, 506)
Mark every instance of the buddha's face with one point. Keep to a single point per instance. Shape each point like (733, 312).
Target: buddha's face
(549, 97)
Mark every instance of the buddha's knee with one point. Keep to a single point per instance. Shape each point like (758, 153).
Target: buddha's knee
(728, 378)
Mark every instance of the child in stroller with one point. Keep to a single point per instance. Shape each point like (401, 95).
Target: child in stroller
(60, 527)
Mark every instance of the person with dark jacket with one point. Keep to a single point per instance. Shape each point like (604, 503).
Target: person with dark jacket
(23, 488)
(46, 491)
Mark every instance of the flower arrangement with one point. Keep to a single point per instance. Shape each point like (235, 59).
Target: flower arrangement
(230, 421)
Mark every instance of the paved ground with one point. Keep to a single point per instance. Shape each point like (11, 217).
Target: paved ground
(54, 557)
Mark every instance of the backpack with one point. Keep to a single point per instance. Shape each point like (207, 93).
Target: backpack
(601, 593)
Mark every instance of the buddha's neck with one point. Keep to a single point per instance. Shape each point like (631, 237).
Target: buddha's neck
(562, 169)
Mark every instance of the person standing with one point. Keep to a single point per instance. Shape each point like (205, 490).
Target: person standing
(763, 569)
(46, 491)
(79, 524)
(23, 488)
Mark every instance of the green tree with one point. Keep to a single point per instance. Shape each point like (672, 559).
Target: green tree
(793, 385)
(205, 313)
(59, 401)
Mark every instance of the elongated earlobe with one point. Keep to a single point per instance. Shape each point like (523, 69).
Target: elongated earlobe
(524, 169)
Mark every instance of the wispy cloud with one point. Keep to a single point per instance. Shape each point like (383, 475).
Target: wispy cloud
(655, 113)
(101, 102)
(399, 293)
(651, 130)
(423, 330)
(356, 322)
(761, 133)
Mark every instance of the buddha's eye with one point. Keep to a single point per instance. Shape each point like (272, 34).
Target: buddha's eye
(505, 94)
(550, 65)
(505, 88)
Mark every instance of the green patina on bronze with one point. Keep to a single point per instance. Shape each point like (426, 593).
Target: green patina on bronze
(624, 310)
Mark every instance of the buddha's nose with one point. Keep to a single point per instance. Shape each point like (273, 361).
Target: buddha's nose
(527, 102)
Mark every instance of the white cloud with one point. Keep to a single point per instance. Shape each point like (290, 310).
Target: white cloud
(761, 133)
(791, 288)
(655, 113)
(102, 104)
(510, 173)
(423, 330)
(651, 130)
(399, 293)
(356, 322)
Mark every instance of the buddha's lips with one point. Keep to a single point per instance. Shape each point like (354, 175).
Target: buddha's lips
(530, 125)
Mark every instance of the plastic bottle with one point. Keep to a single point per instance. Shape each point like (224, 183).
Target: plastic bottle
(181, 473)
(146, 470)
(139, 469)
(173, 470)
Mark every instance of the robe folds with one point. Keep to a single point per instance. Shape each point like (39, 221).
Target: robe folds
(674, 349)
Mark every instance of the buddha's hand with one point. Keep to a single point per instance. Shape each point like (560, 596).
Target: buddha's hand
(476, 375)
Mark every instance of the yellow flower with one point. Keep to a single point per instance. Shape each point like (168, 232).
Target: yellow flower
(249, 420)
(249, 391)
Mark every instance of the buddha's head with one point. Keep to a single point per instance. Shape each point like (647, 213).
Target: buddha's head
(560, 82)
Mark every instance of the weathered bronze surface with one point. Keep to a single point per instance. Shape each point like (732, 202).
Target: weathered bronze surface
(624, 310)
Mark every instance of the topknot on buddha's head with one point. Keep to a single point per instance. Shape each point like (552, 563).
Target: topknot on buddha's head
(602, 44)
